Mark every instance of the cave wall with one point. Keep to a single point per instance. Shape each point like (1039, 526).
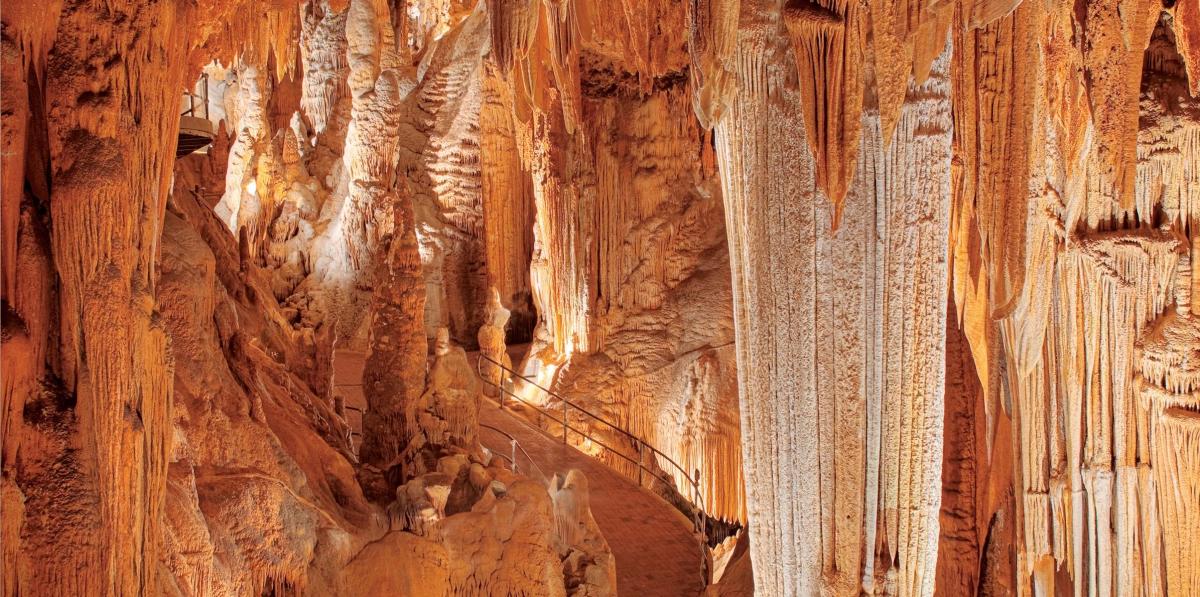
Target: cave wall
(1006, 160)
(908, 284)
(169, 426)
(88, 409)
(629, 271)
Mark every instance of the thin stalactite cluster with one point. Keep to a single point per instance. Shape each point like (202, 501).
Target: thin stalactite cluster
(901, 290)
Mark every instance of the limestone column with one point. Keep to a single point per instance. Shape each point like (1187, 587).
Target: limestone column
(112, 92)
(840, 333)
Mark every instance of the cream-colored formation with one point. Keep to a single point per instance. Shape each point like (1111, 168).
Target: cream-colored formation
(902, 291)
(169, 427)
(1025, 204)
(495, 369)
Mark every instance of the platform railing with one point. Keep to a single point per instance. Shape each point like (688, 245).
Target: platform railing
(194, 98)
(514, 448)
(642, 447)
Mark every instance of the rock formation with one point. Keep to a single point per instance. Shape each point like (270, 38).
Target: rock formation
(168, 427)
(491, 345)
(587, 563)
(887, 298)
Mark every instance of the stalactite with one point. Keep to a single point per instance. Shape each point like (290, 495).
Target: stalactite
(28, 34)
(965, 471)
(1187, 32)
(562, 265)
(1178, 496)
(562, 53)
(507, 200)
(513, 23)
(323, 54)
(907, 37)
(996, 64)
(1168, 147)
(376, 88)
(242, 205)
(712, 36)
(1114, 36)
(828, 40)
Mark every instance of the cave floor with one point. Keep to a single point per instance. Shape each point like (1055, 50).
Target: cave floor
(652, 541)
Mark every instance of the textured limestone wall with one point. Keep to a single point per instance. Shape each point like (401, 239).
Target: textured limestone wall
(907, 286)
(261, 490)
(168, 427)
(629, 270)
(1058, 306)
(90, 100)
(440, 161)
(1042, 170)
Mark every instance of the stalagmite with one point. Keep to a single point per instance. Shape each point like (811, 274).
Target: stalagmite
(396, 367)
(802, 297)
(491, 344)
(579, 537)
(452, 392)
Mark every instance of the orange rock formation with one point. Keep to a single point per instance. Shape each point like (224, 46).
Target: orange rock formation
(887, 297)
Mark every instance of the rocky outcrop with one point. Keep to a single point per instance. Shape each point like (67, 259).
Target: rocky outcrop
(495, 371)
(901, 292)
(503, 533)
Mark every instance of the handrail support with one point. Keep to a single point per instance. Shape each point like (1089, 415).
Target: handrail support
(641, 466)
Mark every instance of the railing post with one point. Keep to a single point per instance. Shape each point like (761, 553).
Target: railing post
(564, 403)
(641, 448)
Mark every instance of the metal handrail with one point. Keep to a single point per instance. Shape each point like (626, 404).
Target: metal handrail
(515, 445)
(192, 97)
(642, 445)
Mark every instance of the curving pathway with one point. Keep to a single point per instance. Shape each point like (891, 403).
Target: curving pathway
(656, 553)
(652, 542)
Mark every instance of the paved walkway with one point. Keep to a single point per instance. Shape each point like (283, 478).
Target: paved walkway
(347, 381)
(652, 541)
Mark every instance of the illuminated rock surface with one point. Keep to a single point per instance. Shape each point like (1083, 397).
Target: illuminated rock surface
(866, 297)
